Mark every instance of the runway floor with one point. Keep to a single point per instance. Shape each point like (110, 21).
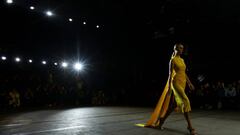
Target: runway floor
(114, 121)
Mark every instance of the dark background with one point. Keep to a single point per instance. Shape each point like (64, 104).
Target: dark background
(132, 47)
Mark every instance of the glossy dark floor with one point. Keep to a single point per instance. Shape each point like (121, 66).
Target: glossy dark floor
(114, 121)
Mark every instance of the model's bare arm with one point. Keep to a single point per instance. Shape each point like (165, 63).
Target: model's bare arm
(191, 86)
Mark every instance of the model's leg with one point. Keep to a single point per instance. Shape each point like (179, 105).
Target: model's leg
(186, 114)
(187, 108)
(169, 111)
(184, 105)
(190, 128)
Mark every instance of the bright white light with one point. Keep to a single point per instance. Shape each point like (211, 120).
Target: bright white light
(17, 59)
(3, 58)
(30, 61)
(49, 13)
(55, 63)
(32, 7)
(44, 62)
(9, 1)
(84, 23)
(64, 64)
(70, 19)
(78, 66)
(97, 26)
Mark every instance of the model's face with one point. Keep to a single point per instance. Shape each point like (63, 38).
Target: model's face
(179, 49)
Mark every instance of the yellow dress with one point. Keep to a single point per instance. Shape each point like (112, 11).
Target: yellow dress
(177, 88)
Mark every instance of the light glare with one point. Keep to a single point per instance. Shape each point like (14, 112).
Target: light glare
(17, 59)
(49, 13)
(78, 66)
(3, 58)
(32, 7)
(44, 62)
(9, 1)
(64, 64)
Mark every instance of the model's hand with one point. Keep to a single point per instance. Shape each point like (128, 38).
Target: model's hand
(191, 86)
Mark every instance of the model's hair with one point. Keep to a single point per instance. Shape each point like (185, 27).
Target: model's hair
(177, 45)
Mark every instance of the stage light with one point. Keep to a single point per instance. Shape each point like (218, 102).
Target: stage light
(17, 59)
(84, 23)
(78, 66)
(97, 26)
(30, 61)
(9, 1)
(70, 19)
(64, 64)
(44, 62)
(32, 7)
(4, 58)
(55, 63)
(49, 13)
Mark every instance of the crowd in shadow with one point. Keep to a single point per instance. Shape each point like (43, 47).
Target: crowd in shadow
(48, 88)
(45, 88)
(217, 95)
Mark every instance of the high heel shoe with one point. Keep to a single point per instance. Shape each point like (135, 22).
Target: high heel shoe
(192, 131)
(160, 125)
